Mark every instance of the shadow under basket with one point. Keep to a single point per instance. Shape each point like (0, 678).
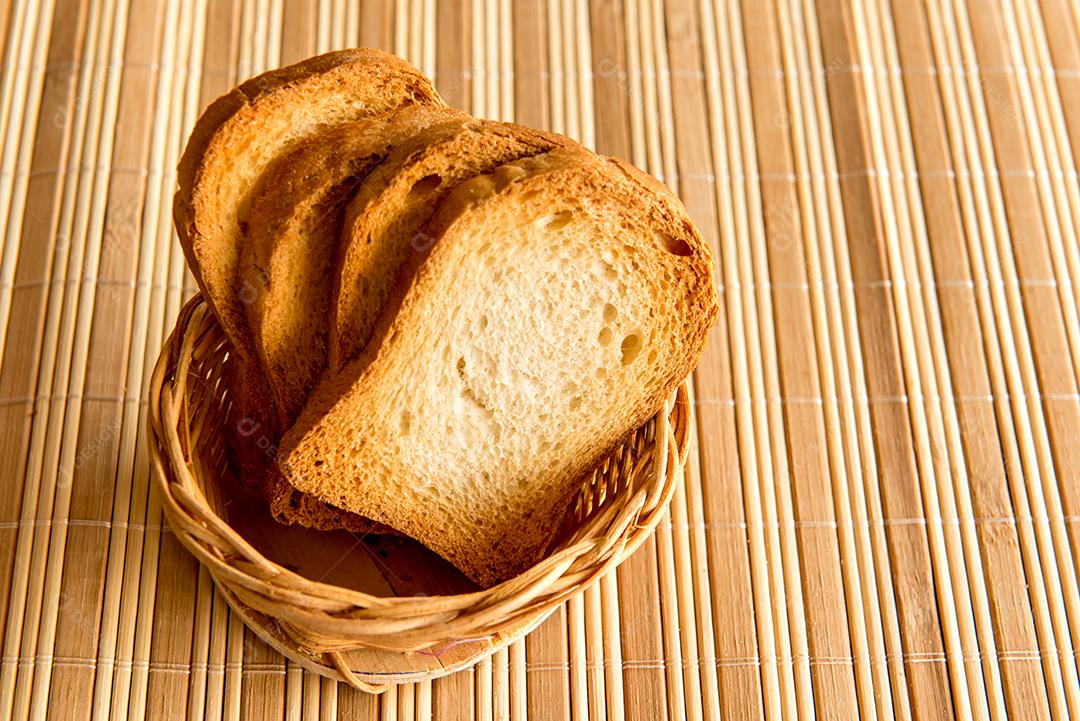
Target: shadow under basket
(375, 611)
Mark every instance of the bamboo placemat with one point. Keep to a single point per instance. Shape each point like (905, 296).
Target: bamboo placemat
(882, 516)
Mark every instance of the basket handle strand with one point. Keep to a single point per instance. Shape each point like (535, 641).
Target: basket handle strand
(337, 660)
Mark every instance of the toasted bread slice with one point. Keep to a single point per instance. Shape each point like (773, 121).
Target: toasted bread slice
(563, 300)
(228, 150)
(290, 252)
(288, 257)
(384, 222)
(244, 130)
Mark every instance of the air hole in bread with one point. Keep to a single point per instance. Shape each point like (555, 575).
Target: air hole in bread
(653, 355)
(605, 336)
(406, 423)
(575, 403)
(673, 245)
(609, 271)
(610, 312)
(483, 322)
(631, 348)
(426, 184)
(557, 221)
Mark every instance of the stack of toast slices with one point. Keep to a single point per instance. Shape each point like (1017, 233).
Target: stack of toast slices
(438, 325)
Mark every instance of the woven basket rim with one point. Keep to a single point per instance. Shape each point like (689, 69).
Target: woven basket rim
(328, 619)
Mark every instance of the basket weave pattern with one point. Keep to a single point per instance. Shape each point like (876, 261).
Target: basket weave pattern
(615, 511)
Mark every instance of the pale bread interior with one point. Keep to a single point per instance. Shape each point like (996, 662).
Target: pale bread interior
(384, 222)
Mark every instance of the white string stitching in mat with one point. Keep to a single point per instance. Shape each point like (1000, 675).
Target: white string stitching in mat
(787, 400)
(248, 667)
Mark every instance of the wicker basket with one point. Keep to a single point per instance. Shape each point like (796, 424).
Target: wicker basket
(363, 638)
